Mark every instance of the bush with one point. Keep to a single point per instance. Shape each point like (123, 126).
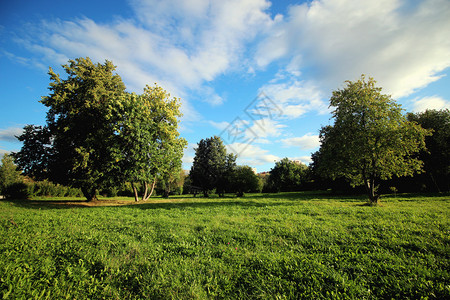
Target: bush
(18, 190)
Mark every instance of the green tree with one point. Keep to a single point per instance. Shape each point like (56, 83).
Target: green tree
(212, 166)
(81, 128)
(437, 157)
(9, 175)
(287, 175)
(370, 140)
(150, 148)
(244, 180)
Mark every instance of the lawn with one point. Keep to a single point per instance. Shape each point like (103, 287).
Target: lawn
(268, 246)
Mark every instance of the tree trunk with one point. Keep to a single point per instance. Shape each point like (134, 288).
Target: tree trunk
(136, 196)
(89, 193)
(370, 188)
(147, 196)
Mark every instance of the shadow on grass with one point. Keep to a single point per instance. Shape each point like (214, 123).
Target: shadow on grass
(188, 201)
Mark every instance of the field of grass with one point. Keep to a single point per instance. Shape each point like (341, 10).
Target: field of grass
(275, 246)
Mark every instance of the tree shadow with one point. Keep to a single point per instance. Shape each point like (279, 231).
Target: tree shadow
(189, 202)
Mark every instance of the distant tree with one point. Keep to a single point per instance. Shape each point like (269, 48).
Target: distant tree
(437, 157)
(9, 175)
(244, 180)
(211, 165)
(287, 175)
(370, 140)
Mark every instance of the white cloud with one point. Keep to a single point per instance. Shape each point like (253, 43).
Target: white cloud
(404, 45)
(265, 127)
(306, 142)
(219, 125)
(304, 159)
(252, 155)
(9, 134)
(433, 102)
(181, 45)
(295, 97)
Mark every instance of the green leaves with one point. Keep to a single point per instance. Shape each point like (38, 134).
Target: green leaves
(371, 139)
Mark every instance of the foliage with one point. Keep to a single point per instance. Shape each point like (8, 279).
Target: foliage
(370, 140)
(244, 180)
(276, 246)
(212, 166)
(150, 148)
(8, 174)
(98, 136)
(34, 157)
(77, 145)
(287, 175)
(437, 157)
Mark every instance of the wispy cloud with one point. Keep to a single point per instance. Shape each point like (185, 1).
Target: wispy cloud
(402, 44)
(250, 154)
(432, 102)
(9, 134)
(307, 142)
(182, 45)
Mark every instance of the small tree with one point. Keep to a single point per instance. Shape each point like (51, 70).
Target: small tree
(9, 175)
(288, 175)
(212, 166)
(370, 140)
(244, 180)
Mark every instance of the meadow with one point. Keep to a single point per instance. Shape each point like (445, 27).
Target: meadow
(263, 246)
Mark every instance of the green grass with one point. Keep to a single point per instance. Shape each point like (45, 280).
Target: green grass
(276, 246)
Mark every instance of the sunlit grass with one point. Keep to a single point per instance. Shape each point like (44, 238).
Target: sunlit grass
(293, 245)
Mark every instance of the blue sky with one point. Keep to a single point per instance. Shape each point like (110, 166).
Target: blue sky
(259, 74)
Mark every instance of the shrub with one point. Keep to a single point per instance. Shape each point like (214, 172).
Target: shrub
(18, 190)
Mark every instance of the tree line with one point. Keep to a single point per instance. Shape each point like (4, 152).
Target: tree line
(98, 137)
(372, 144)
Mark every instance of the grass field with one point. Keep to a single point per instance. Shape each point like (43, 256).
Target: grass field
(275, 246)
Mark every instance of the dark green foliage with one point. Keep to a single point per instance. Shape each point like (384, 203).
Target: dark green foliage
(36, 153)
(437, 157)
(276, 246)
(77, 146)
(212, 166)
(16, 190)
(244, 180)
(288, 176)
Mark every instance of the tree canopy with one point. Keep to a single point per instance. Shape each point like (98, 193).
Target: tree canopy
(98, 136)
(437, 157)
(212, 166)
(287, 175)
(371, 139)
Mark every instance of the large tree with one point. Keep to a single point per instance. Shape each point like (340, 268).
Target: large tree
(212, 166)
(81, 121)
(150, 148)
(437, 157)
(371, 139)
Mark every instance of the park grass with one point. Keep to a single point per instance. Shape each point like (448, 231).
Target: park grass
(264, 246)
